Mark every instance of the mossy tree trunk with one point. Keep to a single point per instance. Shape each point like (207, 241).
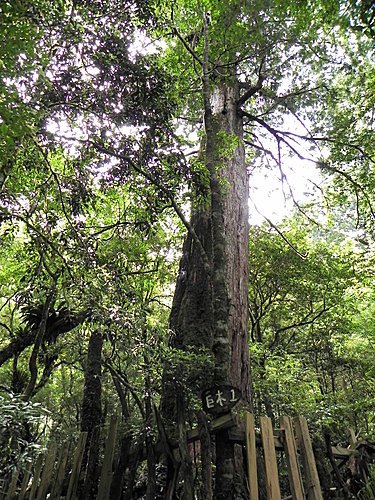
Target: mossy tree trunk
(210, 305)
(229, 188)
(91, 418)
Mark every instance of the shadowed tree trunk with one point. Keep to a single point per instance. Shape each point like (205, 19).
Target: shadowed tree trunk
(92, 414)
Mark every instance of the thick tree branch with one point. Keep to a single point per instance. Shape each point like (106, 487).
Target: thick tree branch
(6, 327)
(56, 325)
(49, 365)
(252, 90)
(306, 320)
(40, 333)
(159, 185)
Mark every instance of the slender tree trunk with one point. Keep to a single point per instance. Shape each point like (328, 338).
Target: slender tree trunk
(117, 484)
(149, 441)
(92, 414)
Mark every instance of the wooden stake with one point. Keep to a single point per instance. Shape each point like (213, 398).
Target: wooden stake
(272, 476)
(294, 471)
(46, 476)
(313, 488)
(38, 470)
(76, 468)
(25, 482)
(251, 456)
(60, 472)
(106, 475)
(13, 484)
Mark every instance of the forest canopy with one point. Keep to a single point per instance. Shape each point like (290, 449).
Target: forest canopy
(130, 280)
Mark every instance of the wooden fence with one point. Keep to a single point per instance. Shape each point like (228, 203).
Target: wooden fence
(48, 474)
(290, 441)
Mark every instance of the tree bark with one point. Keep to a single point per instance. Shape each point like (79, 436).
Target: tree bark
(230, 160)
(210, 309)
(91, 419)
(210, 305)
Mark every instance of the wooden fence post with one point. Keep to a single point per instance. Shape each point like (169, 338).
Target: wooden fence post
(313, 488)
(25, 482)
(12, 487)
(106, 475)
(290, 448)
(60, 472)
(272, 476)
(38, 470)
(46, 476)
(76, 468)
(251, 456)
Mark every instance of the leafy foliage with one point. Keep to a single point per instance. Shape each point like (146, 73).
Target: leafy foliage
(100, 124)
(21, 422)
(307, 345)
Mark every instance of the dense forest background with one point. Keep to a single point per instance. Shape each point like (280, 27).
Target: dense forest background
(114, 165)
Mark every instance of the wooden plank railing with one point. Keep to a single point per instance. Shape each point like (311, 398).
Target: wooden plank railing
(48, 473)
(251, 456)
(288, 442)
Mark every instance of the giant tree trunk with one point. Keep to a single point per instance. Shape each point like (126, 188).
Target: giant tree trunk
(231, 168)
(210, 305)
(234, 191)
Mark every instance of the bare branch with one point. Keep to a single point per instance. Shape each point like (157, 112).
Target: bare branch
(281, 134)
(357, 186)
(305, 321)
(302, 255)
